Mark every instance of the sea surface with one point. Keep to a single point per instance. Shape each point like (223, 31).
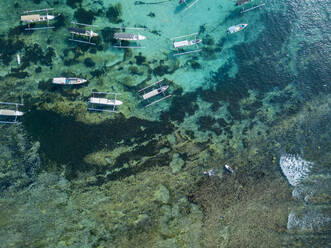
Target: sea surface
(257, 100)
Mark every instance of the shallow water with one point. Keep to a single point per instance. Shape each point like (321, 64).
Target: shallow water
(258, 100)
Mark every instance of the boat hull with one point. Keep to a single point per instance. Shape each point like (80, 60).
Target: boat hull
(236, 28)
(68, 81)
(8, 112)
(105, 101)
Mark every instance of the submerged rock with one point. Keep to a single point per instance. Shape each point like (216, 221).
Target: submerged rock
(177, 163)
(162, 194)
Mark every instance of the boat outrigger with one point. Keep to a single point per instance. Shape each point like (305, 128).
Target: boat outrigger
(236, 28)
(188, 5)
(68, 81)
(154, 92)
(10, 114)
(252, 8)
(82, 32)
(122, 36)
(104, 102)
(181, 44)
(36, 18)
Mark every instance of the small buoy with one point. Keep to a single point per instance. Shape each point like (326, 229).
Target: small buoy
(18, 59)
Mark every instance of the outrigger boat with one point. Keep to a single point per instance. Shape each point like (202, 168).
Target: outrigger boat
(75, 31)
(113, 103)
(188, 5)
(186, 43)
(68, 81)
(121, 36)
(154, 92)
(35, 18)
(9, 113)
(236, 28)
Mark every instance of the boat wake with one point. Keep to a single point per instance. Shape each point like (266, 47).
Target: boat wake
(306, 219)
(294, 168)
(309, 213)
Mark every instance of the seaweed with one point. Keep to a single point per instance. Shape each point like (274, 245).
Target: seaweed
(181, 106)
(8, 48)
(74, 3)
(84, 16)
(108, 35)
(19, 74)
(140, 59)
(88, 62)
(38, 69)
(97, 73)
(59, 21)
(161, 70)
(75, 146)
(114, 13)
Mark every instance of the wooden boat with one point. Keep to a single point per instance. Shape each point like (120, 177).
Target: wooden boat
(123, 36)
(9, 112)
(236, 28)
(75, 31)
(129, 36)
(10, 115)
(181, 44)
(36, 18)
(154, 92)
(103, 101)
(68, 81)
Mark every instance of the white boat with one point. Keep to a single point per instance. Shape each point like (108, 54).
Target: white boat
(18, 59)
(68, 81)
(237, 28)
(32, 17)
(105, 101)
(36, 18)
(180, 44)
(228, 168)
(155, 92)
(82, 32)
(10, 116)
(129, 36)
(186, 43)
(9, 112)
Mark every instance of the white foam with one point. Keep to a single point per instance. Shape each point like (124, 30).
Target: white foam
(294, 168)
(307, 220)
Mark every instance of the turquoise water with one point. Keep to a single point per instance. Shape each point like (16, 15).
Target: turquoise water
(258, 100)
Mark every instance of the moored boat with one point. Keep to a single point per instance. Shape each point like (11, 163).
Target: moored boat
(105, 101)
(68, 81)
(9, 112)
(128, 36)
(236, 28)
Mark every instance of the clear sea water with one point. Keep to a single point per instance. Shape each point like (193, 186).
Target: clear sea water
(258, 100)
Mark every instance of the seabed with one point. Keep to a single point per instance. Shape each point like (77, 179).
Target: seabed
(258, 100)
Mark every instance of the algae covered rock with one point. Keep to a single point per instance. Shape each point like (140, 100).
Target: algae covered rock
(177, 163)
(162, 194)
